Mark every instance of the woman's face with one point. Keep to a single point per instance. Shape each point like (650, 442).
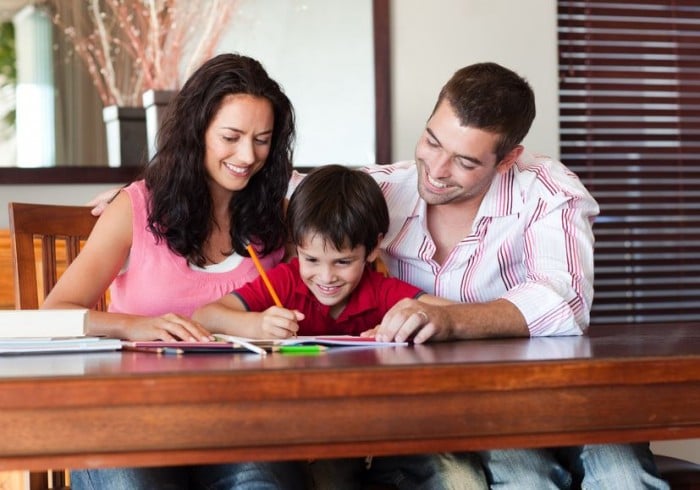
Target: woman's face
(238, 140)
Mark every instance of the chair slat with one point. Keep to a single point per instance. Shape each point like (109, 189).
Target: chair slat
(51, 224)
(48, 263)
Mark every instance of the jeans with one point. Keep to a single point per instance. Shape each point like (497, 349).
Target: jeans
(595, 466)
(425, 471)
(243, 476)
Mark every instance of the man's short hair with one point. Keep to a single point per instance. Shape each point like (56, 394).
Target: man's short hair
(493, 98)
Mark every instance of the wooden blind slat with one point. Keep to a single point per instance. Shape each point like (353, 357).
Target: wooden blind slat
(629, 91)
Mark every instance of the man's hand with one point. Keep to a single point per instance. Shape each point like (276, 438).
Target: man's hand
(101, 200)
(410, 319)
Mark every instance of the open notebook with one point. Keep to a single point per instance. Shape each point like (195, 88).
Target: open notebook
(229, 343)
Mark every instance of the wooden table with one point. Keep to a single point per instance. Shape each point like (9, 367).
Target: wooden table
(623, 383)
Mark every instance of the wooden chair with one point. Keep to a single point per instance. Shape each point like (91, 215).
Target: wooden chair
(60, 231)
(679, 473)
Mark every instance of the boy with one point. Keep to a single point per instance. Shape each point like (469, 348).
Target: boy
(336, 220)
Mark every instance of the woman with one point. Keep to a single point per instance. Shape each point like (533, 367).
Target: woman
(176, 240)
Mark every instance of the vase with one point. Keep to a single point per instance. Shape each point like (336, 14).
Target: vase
(155, 102)
(126, 135)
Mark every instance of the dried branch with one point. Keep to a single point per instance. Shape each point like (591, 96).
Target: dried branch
(130, 46)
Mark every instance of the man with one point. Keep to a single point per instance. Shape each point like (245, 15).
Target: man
(508, 236)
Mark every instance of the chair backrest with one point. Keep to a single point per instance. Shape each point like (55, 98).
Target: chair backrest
(53, 225)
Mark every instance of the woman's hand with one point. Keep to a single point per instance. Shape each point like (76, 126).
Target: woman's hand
(168, 327)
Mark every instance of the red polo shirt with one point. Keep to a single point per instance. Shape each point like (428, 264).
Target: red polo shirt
(368, 303)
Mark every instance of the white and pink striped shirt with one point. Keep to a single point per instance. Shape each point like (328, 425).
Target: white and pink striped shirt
(531, 244)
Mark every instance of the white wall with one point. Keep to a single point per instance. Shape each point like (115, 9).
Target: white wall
(47, 194)
(320, 51)
(685, 449)
(431, 40)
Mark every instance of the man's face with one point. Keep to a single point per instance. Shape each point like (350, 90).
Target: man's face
(456, 163)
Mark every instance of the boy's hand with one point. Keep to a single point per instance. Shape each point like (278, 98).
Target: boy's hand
(279, 323)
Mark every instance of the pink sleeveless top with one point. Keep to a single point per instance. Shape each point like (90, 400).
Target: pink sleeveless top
(158, 281)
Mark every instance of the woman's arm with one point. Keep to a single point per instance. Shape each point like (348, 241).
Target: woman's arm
(89, 276)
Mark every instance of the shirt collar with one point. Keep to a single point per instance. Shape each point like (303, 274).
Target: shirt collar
(361, 300)
(503, 198)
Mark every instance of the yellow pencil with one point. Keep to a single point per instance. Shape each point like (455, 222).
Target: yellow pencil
(263, 274)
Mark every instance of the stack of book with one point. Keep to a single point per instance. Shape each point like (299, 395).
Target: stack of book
(48, 331)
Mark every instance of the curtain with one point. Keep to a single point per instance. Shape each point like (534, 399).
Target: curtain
(80, 130)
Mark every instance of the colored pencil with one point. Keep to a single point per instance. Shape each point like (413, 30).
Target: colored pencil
(263, 274)
(299, 349)
(242, 342)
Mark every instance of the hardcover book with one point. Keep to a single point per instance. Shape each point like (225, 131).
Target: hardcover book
(42, 323)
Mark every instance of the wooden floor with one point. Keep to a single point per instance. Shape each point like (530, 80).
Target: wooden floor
(14, 480)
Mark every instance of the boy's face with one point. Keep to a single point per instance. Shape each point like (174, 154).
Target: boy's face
(330, 274)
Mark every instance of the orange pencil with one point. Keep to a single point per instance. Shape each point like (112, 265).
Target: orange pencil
(263, 274)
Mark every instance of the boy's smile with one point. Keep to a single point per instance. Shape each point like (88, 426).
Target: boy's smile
(330, 274)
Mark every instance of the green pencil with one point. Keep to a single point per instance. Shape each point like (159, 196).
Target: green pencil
(299, 349)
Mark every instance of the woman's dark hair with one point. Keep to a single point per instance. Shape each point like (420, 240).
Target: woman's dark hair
(493, 98)
(345, 207)
(180, 210)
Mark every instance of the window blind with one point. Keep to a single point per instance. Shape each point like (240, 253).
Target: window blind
(629, 92)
